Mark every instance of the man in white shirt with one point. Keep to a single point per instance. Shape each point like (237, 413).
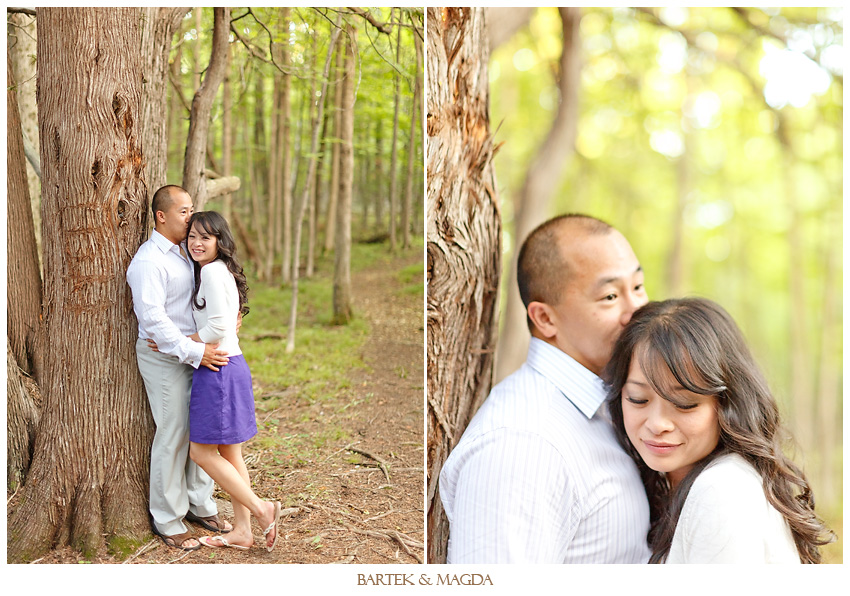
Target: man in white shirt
(538, 475)
(161, 277)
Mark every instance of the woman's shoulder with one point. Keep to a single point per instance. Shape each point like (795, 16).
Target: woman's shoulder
(729, 478)
(214, 270)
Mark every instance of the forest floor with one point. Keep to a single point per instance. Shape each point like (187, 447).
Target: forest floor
(347, 466)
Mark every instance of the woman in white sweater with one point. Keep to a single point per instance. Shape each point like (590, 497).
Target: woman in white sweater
(221, 407)
(692, 408)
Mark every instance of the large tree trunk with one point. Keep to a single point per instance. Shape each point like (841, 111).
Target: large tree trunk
(21, 40)
(199, 123)
(463, 241)
(541, 182)
(311, 169)
(24, 328)
(342, 254)
(158, 26)
(89, 475)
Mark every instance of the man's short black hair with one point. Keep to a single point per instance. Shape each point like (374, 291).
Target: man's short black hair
(163, 198)
(542, 269)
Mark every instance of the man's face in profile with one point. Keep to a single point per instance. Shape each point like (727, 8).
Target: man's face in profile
(603, 289)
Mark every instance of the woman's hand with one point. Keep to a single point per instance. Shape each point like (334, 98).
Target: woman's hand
(152, 345)
(195, 337)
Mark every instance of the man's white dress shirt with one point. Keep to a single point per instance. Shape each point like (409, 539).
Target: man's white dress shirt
(217, 320)
(162, 281)
(538, 476)
(728, 519)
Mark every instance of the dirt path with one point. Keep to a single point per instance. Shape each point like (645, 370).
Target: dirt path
(359, 496)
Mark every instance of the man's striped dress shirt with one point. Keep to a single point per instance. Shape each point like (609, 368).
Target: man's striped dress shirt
(162, 281)
(538, 476)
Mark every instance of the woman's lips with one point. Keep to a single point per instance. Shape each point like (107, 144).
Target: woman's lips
(659, 448)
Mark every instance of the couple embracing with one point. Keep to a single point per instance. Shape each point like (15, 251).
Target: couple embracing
(189, 294)
(635, 431)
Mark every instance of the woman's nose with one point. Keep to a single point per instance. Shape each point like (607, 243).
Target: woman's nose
(657, 420)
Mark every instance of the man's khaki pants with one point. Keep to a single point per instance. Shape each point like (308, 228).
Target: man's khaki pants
(178, 484)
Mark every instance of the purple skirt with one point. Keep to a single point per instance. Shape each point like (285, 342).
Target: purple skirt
(221, 407)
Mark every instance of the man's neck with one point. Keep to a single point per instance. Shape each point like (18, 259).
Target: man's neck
(171, 240)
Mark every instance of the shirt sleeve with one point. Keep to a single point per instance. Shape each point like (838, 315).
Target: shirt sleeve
(215, 282)
(722, 520)
(147, 282)
(513, 502)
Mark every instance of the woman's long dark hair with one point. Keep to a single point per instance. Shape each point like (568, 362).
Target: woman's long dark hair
(214, 224)
(700, 344)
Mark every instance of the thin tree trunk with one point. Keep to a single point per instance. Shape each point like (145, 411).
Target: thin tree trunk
(333, 184)
(394, 159)
(227, 133)
(283, 228)
(199, 123)
(251, 170)
(88, 479)
(342, 261)
(311, 169)
(25, 331)
(802, 389)
(829, 383)
(379, 174)
(273, 173)
(411, 152)
(541, 182)
(21, 41)
(463, 241)
(23, 276)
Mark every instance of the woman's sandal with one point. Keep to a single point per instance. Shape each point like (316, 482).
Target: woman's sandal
(272, 526)
(205, 540)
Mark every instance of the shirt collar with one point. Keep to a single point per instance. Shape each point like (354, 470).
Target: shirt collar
(579, 385)
(164, 244)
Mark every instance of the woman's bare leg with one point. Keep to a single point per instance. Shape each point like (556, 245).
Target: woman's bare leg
(225, 465)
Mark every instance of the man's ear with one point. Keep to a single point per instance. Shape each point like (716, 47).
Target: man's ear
(542, 316)
(160, 217)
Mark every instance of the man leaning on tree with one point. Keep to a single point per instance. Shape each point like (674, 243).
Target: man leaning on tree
(538, 475)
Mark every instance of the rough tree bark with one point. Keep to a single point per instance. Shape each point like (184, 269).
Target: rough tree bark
(342, 255)
(23, 403)
(541, 182)
(199, 123)
(158, 26)
(463, 241)
(89, 474)
(21, 40)
(24, 328)
(302, 203)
